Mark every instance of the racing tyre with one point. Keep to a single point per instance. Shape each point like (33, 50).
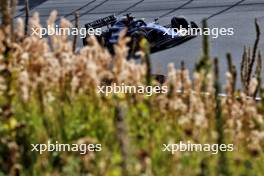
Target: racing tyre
(100, 40)
(85, 40)
(194, 25)
(176, 22)
(134, 44)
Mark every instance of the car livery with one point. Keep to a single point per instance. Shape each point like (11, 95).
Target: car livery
(159, 37)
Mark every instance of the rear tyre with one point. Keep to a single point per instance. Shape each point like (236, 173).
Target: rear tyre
(99, 38)
(85, 40)
(135, 42)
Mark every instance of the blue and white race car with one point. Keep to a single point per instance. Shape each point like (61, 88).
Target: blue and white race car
(159, 37)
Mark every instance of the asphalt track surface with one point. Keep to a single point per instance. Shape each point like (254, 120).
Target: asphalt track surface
(237, 14)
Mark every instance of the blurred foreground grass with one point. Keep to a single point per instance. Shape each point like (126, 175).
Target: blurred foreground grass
(49, 92)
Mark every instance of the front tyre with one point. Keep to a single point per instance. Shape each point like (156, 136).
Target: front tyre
(194, 25)
(177, 22)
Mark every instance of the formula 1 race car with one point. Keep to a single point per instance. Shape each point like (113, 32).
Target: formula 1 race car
(159, 37)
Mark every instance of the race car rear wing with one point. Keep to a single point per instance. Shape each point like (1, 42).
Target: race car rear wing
(109, 20)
